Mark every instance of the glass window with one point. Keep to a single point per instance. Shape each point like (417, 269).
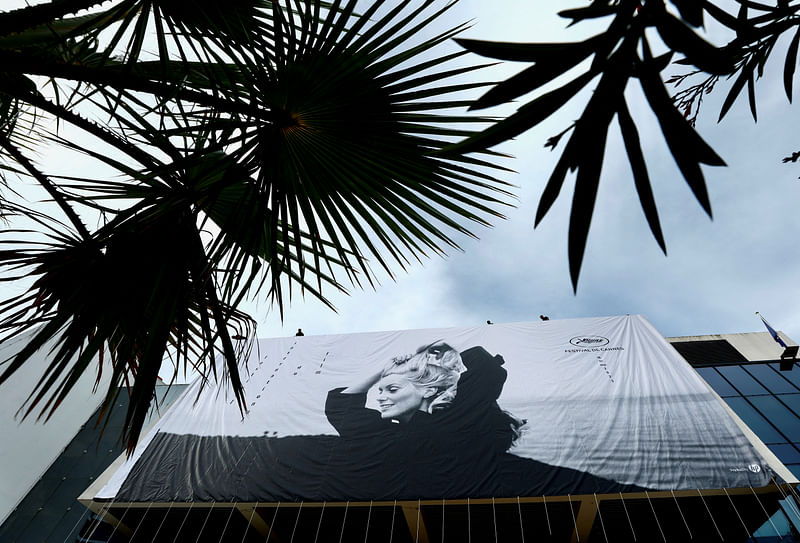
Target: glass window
(715, 380)
(742, 380)
(763, 429)
(792, 400)
(774, 529)
(770, 379)
(793, 375)
(779, 415)
(786, 453)
(795, 469)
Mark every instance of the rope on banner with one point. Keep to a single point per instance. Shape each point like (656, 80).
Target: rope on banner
(163, 519)
(521, 528)
(737, 512)
(344, 520)
(188, 510)
(227, 521)
(546, 514)
(494, 520)
(394, 514)
(630, 522)
(296, 520)
(769, 518)
(369, 516)
(272, 524)
(681, 512)
(249, 522)
(653, 509)
(714, 522)
(574, 521)
(599, 514)
(319, 524)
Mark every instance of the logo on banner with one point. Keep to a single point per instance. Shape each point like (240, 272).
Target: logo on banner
(590, 344)
(755, 468)
(589, 341)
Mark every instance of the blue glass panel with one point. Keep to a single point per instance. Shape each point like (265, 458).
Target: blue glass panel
(742, 380)
(795, 469)
(720, 385)
(763, 429)
(792, 400)
(775, 529)
(770, 379)
(786, 453)
(793, 375)
(779, 415)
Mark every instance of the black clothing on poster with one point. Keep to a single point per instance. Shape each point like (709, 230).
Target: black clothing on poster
(457, 451)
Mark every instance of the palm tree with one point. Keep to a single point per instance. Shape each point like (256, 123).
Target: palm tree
(256, 147)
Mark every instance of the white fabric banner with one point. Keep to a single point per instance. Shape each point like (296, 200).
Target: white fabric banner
(553, 407)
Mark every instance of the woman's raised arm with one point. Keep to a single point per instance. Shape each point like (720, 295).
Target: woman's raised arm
(363, 385)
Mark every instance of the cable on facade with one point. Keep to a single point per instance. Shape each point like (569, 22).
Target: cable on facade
(81, 518)
(681, 512)
(249, 522)
(469, 524)
(630, 522)
(574, 520)
(344, 520)
(208, 516)
(494, 520)
(227, 521)
(296, 520)
(394, 514)
(714, 522)
(369, 517)
(141, 521)
(737, 512)
(272, 524)
(599, 514)
(188, 512)
(769, 517)
(319, 524)
(442, 539)
(546, 514)
(653, 509)
(163, 518)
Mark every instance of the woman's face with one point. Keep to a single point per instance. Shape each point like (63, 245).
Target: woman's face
(399, 398)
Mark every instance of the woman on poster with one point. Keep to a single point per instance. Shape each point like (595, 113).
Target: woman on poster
(439, 431)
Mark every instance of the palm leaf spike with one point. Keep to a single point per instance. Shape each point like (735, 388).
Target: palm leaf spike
(325, 178)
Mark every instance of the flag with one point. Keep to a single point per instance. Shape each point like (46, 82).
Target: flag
(772, 331)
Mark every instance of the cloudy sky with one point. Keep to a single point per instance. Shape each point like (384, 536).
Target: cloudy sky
(717, 274)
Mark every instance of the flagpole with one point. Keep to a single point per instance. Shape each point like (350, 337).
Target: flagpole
(772, 331)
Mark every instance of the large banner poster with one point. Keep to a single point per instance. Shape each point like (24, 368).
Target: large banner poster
(578, 406)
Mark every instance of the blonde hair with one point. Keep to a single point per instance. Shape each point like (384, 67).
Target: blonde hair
(436, 365)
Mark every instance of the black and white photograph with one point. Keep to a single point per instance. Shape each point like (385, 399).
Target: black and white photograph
(546, 408)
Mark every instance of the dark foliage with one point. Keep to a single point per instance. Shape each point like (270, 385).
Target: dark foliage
(616, 57)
